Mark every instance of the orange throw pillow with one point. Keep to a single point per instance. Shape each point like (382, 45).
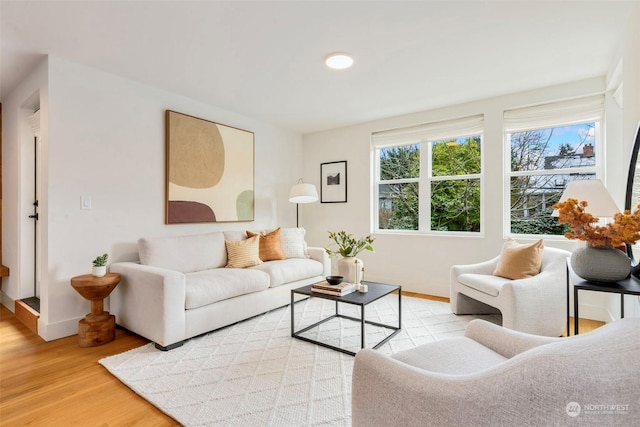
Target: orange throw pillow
(519, 261)
(270, 245)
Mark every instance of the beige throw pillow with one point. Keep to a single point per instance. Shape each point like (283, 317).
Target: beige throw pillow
(270, 245)
(243, 253)
(519, 261)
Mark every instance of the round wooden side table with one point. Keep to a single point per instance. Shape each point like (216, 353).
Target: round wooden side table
(97, 327)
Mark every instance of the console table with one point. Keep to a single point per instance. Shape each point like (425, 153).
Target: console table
(628, 286)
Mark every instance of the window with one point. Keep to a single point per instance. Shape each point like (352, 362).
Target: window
(428, 177)
(549, 145)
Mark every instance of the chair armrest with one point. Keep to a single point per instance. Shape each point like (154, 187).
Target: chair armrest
(485, 267)
(506, 342)
(543, 296)
(150, 301)
(387, 392)
(320, 255)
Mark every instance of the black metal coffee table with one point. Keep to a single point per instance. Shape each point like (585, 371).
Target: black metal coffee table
(376, 291)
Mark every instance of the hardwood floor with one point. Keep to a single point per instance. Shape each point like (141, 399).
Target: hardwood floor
(57, 383)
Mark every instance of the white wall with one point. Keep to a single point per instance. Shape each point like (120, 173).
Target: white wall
(106, 139)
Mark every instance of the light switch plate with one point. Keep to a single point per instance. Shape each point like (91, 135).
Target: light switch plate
(85, 202)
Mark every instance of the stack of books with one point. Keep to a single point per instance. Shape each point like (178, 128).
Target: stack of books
(337, 290)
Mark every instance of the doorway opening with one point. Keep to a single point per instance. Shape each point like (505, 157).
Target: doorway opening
(34, 124)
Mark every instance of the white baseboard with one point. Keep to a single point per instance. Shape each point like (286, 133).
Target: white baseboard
(7, 301)
(595, 312)
(54, 331)
(47, 331)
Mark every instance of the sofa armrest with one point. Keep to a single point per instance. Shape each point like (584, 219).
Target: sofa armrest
(504, 341)
(320, 255)
(150, 301)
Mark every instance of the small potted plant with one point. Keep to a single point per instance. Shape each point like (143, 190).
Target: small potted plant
(350, 267)
(100, 265)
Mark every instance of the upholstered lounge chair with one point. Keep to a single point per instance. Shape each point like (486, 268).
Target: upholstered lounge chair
(536, 305)
(494, 376)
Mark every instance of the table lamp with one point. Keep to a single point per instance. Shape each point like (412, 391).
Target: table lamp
(593, 191)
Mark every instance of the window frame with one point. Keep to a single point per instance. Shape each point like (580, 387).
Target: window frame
(597, 170)
(425, 181)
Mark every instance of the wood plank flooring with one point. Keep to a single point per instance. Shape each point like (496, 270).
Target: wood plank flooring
(57, 383)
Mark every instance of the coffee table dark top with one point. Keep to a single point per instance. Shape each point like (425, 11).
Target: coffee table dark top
(376, 291)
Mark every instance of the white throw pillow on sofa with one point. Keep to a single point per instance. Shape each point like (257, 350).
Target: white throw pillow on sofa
(293, 243)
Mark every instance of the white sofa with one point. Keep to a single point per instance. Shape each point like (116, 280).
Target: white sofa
(181, 288)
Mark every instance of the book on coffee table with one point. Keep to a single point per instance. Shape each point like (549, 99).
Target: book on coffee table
(338, 290)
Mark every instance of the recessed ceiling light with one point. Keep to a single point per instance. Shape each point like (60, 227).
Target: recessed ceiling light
(339, 61)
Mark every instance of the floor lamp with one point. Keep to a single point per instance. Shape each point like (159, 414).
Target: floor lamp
(302, 193)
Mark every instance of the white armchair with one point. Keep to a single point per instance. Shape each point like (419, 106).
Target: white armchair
(494, 376)
(536, 305)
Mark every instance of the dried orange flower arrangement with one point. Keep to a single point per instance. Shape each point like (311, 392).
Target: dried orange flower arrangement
(625, 227)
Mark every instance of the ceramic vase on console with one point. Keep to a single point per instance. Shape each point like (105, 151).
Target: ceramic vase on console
(600, 263)
(351, 269)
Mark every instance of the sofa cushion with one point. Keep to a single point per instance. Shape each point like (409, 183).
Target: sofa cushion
(207, 287)
(289, 270)
(485, 283)
(471, 357)
(184, 253)
(519, 261)
(293, 243)
(243, 253)
(270, 245)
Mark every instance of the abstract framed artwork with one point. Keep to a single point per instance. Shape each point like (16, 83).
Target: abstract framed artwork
(333, 182)
(209, 171)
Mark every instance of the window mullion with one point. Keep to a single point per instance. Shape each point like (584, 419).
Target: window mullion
(424, 200)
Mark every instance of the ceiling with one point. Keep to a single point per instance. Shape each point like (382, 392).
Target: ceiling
(264, 59)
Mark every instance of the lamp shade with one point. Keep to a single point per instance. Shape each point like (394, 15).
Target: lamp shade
(303, 193)
(593, 191)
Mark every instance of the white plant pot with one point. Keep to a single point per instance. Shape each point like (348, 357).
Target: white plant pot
(99, 271)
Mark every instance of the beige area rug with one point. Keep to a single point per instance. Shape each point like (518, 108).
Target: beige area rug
(254, 374)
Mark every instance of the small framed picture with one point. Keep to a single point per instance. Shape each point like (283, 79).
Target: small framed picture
(333, 182)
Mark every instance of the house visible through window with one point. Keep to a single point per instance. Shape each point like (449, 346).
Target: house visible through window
(549, 146)
(428, 177)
